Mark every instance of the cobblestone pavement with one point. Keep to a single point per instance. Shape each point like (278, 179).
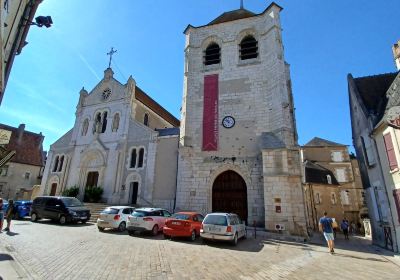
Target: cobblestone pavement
(46, 250)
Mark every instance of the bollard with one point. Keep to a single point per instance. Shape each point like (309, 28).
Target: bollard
(255, 229)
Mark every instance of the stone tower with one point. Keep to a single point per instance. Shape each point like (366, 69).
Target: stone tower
(238, 142)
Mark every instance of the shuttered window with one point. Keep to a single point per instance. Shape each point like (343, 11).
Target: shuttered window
(390, 151)
(396, 194)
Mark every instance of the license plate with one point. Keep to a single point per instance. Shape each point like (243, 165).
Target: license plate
(176, 223)
(83, 217)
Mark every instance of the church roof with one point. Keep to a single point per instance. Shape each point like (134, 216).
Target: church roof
(317, 174)
(234, 15)
(28, 145)
(319, 142)
(372, 90)
(270, 141)
(157, 108)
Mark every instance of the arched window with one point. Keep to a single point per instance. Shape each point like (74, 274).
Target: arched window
(146, 119)
(104, 123)
(55, 164)
(248, 48)
(97, 123)
(133, 159)
(212, 54)
(61, 163)
(85, 127)
(141, 156)
(115, 124)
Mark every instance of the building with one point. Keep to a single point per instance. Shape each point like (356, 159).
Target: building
(368, 98)
(25, 169)
(15, 17)
(121, 141)
(332, 183)
(238, 148)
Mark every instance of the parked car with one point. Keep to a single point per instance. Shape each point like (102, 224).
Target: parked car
(115, 217)
(23, 208)
(147, 219)
(62, 209)
(183, 224)
(223, 226)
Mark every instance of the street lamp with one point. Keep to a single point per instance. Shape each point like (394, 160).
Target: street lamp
(41, 21)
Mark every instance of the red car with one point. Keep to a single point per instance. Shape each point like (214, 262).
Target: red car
(183, 224)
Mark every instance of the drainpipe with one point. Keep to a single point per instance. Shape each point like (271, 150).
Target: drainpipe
(386, 192)
(176, 177)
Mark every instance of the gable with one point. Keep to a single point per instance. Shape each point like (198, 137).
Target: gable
(63, 141)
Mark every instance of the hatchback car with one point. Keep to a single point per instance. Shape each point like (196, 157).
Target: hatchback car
(223, 226)
(114, 217)
(62, 209)
(23, 208)
(147, 219)
(183, 224)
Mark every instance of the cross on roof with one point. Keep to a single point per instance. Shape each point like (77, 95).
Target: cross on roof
(111, 54)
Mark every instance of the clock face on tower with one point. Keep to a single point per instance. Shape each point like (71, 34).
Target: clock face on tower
(106, 93)
(228, 122)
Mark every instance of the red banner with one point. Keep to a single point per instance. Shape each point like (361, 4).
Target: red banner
(210, 113)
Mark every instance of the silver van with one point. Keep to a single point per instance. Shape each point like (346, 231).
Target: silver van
(223, 226)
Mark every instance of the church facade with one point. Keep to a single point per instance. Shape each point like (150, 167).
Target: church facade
(236, 149)
(120, 141)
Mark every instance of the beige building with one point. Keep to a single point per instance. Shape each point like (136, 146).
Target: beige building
(238, 147)
(19, 176)
(122, 141)
(14, 26)
(332, 183)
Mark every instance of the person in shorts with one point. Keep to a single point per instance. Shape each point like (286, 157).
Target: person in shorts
(10, 214)
(325, 225)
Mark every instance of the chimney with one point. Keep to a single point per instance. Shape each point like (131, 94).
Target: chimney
(396, 54)
(21, 129)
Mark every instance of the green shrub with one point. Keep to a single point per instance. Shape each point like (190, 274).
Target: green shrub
(71, 191)
(93, 194)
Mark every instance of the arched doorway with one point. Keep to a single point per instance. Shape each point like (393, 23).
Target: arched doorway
(229, 194)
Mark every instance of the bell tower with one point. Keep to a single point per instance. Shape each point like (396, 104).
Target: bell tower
(237, 122)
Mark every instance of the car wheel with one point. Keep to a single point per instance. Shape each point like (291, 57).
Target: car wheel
(166, 236)
(100, 228)
(154, 231)
(193, 236)
(130, 232)
(122, 227)
(34, 217)
(62, 220)
(235, 240)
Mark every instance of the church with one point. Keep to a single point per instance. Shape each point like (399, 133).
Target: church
(234, 150)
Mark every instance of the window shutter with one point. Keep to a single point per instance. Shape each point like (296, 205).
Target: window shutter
(396, 194)
(390, 151)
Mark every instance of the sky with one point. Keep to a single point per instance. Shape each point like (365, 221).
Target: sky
(323, 40)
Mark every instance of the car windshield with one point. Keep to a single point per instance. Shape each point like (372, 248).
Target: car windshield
(110, 211)
(216, 220)
(179, 216)
(140, 213)
(71, 202)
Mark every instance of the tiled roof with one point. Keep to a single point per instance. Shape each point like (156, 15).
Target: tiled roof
(315, 173)
(372, 90)
(28, 145)
(232, 15)
(319, 142)
(152, 104)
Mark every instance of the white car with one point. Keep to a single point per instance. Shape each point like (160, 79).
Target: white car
(147, 219)
(115, 217)
(223, 226)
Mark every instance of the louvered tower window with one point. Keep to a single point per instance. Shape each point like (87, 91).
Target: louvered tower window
(212, 54)
(248, 48)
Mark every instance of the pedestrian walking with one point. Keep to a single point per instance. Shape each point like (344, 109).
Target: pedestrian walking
(1, 214)
(10, 214)
(344, 225)
(353, 228)
(326, 226)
